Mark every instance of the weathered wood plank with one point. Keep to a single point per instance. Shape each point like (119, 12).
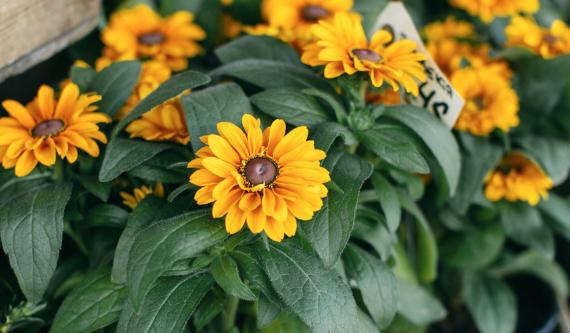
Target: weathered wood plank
(33, 30)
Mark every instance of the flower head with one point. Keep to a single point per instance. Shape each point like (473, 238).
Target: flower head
(268, 179)
(547, 43)
(163, 123)
(342, 47)
(47, 127)
(450, 28)
(139, 193)
(139, 32)
(487, 10)
(153, 73)
(490, 101)
(517, 178)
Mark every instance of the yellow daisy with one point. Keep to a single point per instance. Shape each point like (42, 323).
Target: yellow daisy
(490, 101)
(450, 28)
(268, 179)
(293, 18)
(140, 33)
(47, 127)
(487, 10)
(342, 47)
(163, 123)
(139, 193)
(548, 43)
(517, 178)
(153, 73)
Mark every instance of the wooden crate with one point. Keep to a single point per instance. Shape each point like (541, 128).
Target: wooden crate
(33, 30)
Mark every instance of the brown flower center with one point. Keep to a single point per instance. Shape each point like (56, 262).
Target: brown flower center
(367, 54)
(479, 102)
(48, 127)
(260, 170)
(313, 13)
(550, 39)
(151, 38)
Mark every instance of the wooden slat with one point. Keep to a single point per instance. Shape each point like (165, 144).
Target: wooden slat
(33, 30)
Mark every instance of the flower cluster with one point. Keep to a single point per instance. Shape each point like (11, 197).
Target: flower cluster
(546, 42)
(487, 10)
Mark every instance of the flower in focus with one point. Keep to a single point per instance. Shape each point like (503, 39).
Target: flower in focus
(139, 193)
(267, 179)
(342, 47)
(140, 33)
(517, 178)
(163, 123)
(490, 101)
(47, 127)
(487, 10)
(153, 73)
(547, 43)
(290, 21)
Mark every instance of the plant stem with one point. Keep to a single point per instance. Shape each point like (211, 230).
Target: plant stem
(57, 174)
(230, 313)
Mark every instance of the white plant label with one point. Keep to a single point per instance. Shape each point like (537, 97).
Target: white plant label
(436, 94)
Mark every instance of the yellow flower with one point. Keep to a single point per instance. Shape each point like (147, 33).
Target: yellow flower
(268, 179)
(231, 27)
(227, 2)
(383, 97)
(47, 127)
(163, 123)
(139, 32)
(487, 10)
(342, 47)
(547, 43)
(293, 18)
(490, 101)
(153, 73)
(517, 178)
(450, 28)
(132, 200)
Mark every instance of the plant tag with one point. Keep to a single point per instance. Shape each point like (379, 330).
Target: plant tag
(436, 94)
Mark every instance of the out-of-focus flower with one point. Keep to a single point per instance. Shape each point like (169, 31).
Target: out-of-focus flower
(139, 193)
(517, 178)
(231, 27)
(487, 10)
(548, 43)
(383, 97)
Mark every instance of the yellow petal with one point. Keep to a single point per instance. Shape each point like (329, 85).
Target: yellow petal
(25, 164)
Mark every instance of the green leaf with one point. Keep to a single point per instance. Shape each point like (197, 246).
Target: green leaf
(162, 243)
(376, 282)
(370, 11)
(82, 77)
(534, 263)
(167, 90)
(168, 7)
(168, 305)
(115, 84)
(330, 229)
(254, 273)
(417, 305)
(211, 306)
(491, 303)
(106, 215)
(388, 198)
(122, 155)
(269, 74)
(552, 154)
(366, 325)
(557, 210)
(257, 47)
(267, 311)
(31, 228)
(426, 252)
(205, 109)
(331, 100)
(102, 190)
(286, 323)
(375, 234)
(475, 248)
(395, 145)
(475, 167)
(437, 137)
(292, 106)
(524, 225)
(317, 295)
(93, 305)
(225, 271)
(326, 134)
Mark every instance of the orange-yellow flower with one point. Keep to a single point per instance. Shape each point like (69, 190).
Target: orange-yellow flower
(49, 127)
(490, 101)
(383, 97)
(163, 123)
(267, 179)
(139, 193)
(450, 28)
(231, 27)
(487, 10)
(140, 33)
(153, 73)
(517, 178)
(547, 43)
(343, 48)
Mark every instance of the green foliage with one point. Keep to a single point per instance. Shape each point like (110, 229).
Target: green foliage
(115, 84)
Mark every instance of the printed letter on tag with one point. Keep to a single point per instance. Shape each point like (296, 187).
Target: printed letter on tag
(436, 94)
